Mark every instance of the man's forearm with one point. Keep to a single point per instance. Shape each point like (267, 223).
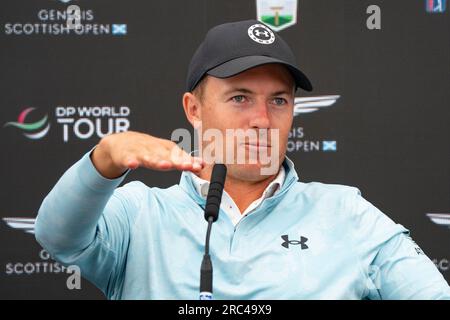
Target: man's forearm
(69, 214)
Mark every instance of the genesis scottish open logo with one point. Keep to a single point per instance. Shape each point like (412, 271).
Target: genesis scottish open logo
(31, 130)
(298, 141)
(67, 17)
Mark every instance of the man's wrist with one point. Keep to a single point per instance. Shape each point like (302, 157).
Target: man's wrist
(104, 164)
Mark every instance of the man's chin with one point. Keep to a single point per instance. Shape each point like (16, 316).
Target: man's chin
(252, 172)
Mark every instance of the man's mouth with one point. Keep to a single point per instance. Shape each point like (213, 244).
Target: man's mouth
(259, 144)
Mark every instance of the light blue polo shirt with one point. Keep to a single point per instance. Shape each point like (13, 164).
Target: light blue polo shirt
(307, 241)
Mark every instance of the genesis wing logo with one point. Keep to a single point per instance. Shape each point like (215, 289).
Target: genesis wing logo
(442, 219)
(24, 224)
(311, 104)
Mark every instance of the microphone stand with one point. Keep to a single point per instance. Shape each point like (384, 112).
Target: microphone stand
(206, 269)
(212, 207)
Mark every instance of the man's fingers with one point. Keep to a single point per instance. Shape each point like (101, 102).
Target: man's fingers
(132, 163)
(188, 166)
(199, 161)
(178, 156)
(163, 158)
(164, 165)
(183, 161)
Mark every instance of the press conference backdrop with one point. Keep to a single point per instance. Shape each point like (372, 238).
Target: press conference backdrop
(380, 117)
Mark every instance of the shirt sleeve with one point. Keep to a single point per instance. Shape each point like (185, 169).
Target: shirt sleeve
(85, 221)
(395, 266)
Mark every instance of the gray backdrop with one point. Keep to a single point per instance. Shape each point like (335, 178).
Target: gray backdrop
(390, 125)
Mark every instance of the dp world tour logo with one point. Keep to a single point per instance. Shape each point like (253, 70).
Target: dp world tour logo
(33, 130)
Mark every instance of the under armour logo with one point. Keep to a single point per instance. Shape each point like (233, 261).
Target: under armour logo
(287, 242)
(261, 34)
(258, 33)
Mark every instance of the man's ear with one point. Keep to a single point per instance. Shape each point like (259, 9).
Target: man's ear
(192, 109)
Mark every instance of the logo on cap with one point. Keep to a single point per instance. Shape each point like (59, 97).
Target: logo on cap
(261, 34)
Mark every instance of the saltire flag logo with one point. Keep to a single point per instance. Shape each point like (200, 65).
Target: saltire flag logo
(277, 14)
(119, 29)
(329, 145)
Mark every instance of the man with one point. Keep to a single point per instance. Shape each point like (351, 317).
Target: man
(276, 238)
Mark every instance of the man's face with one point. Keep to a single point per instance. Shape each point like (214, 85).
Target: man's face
(257, 101)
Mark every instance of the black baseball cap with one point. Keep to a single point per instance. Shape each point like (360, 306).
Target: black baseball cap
(231, 48)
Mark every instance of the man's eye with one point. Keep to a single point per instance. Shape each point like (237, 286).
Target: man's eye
(238, 99)
(279, 101)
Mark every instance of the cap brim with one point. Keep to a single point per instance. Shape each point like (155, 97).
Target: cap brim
(236, 66)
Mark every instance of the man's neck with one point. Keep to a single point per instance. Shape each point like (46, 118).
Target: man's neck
(242, 192)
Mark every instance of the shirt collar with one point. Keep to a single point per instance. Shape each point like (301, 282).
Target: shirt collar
(202, 186)
(186, 181)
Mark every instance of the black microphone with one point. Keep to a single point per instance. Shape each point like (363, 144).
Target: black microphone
(212, 207)
(215, 190)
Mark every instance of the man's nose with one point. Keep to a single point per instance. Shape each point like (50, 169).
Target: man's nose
(260, 116)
